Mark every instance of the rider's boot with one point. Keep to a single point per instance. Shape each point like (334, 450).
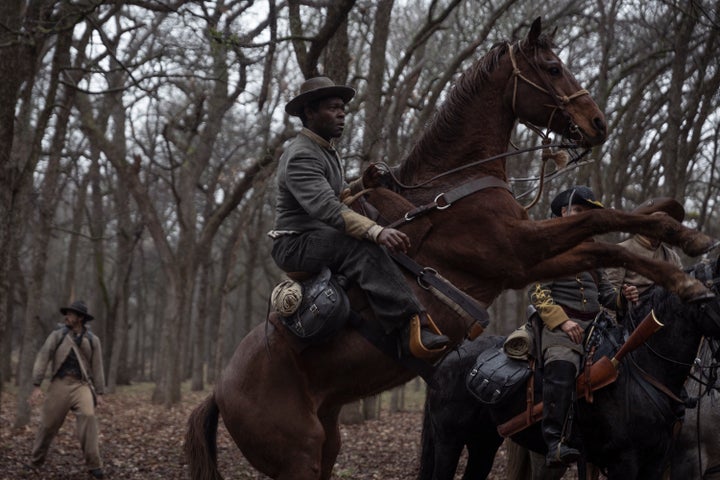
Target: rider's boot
(421, 338)
(558, 393)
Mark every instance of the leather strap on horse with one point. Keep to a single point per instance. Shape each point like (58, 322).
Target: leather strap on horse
(444, 200)
(428, 277)
(656, 383)
(587, 386)
(530, 393)
(711, 470)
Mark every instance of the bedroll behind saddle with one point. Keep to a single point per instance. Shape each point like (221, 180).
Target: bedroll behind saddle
(323, 310)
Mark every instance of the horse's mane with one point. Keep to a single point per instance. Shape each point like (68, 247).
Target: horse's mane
(468, 86)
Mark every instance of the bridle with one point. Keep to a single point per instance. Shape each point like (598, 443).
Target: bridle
(561, 101)
(560, 104)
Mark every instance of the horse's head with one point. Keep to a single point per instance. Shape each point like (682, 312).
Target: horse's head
(544, 94)
(522, 81)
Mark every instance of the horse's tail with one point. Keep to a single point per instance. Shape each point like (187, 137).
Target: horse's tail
(201, 441)
(427, 442)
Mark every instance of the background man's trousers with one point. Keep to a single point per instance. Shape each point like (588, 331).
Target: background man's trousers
(67, 394)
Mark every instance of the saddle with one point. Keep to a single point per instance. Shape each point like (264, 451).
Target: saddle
(314, 308)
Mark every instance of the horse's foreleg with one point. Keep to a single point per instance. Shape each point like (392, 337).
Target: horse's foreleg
(558, 234)
(445, 461)
(625, 467)
(329, 420)
(591, 255)
(481, 455)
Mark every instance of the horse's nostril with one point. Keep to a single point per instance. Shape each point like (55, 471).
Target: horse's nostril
(599, 124)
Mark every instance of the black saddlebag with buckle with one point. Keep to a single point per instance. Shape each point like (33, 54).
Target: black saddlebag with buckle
(495, 376)
(323, 311)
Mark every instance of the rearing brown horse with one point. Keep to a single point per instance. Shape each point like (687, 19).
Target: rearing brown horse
(281, 405)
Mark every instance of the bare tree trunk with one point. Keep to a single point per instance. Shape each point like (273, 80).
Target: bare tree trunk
(372, 131)
(221, 321)
(128, 236)
(77, 221)
(17, 60)
(397, 398)
(47, 205)
(198, 336)
(351, 413)
(371, 407)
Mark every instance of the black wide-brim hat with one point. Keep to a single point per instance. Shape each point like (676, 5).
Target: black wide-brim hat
(315, 89)
(78, 307)
(661, 204)
(579, 194)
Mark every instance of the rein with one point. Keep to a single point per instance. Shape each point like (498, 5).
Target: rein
(710, 385)
(385, 167)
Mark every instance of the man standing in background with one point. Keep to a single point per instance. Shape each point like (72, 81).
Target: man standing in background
(77, 384)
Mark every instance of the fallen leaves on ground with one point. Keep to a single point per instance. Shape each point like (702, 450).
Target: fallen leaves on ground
(139, 440)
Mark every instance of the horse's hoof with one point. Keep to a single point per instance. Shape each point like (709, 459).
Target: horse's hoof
(694, 291)
(691, 290)
(715, 245)
(700, 244)
(703, 297)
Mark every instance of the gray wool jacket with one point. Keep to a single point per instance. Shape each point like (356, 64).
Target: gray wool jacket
(310, 183)
(579, 292)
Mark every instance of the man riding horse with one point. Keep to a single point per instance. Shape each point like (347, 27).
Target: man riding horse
(567, 306)
(315, 229)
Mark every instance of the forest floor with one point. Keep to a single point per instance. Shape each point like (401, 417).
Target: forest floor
(139, 440)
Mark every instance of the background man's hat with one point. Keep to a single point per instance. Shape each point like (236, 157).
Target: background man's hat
(661, 204)
(315, 89)
(79, 307)
(578, 194)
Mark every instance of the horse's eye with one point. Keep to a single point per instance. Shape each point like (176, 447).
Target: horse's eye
(554, 71)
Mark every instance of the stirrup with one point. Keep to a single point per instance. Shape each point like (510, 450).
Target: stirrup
(563, 455)
(417, 349)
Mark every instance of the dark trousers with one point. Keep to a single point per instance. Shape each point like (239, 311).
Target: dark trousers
(361, 261)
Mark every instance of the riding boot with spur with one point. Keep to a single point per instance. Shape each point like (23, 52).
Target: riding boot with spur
(421, 338)
(558, 393)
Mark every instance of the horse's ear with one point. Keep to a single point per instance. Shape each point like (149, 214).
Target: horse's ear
(535, 31)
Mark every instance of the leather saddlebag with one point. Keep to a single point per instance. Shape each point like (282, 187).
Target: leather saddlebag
(323, 311)
(495, 376)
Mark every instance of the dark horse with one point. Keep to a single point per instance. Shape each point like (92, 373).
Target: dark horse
(628, 429)
(281, 405)
(697, 449)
